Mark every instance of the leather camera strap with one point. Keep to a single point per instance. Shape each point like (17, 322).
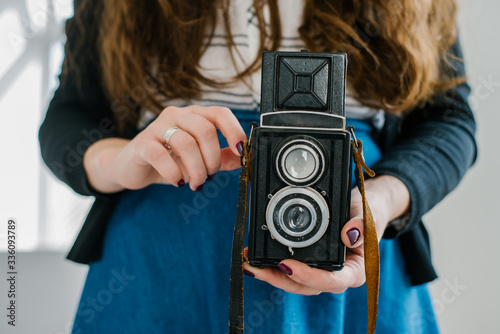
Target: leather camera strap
(371, 250)
(236, 314)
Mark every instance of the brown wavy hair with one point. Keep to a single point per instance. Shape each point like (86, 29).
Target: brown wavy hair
(396, 48)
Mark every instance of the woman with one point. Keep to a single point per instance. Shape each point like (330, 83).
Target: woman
(158, 237)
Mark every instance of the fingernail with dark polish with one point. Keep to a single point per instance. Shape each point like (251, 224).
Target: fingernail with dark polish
(286, 269)
(181, 183)
(239, 147)
(353, 235)
(198, 189)
(248, 273)
(210, 177)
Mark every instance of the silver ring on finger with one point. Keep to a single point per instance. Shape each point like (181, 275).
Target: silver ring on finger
(168, 134)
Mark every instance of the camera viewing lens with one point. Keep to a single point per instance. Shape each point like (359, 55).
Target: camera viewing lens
(300, 163)
(297, 218)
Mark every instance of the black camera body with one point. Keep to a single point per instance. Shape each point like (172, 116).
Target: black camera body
(301, 162)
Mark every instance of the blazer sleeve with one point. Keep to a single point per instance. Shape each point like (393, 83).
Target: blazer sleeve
(78, 115)
(435, 147)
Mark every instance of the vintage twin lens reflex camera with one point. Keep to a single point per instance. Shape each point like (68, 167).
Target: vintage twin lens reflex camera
(301, 161)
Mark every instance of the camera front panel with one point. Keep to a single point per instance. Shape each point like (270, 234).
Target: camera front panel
(300, 196)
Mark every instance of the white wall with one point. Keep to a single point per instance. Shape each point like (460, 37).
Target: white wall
(48, 289)
(464, 228)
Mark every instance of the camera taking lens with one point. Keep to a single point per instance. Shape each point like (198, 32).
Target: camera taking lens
(297, 218)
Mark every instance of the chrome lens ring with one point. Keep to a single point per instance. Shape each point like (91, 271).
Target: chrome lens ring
(316, 205)
(310, 149)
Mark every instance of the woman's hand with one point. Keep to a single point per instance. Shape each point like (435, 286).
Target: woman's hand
(388, 198)
(115, 164)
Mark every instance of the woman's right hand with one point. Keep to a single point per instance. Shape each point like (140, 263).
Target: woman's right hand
(114, 164)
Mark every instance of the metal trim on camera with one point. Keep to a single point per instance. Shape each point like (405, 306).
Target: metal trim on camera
(281, 226)
(296, 170)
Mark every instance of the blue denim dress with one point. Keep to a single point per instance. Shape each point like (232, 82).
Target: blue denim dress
(165, 269)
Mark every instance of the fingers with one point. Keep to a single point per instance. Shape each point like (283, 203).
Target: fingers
(218, 117)
(226, 122)
(323, 280)
(155, 154)
(352, 232)
(196, 144)
(296, 277)
(193, 153)
(204, 134)
(229, 161)
(188, 151)
(280, 280)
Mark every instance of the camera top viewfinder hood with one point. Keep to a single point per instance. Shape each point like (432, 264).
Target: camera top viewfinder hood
(303, 90)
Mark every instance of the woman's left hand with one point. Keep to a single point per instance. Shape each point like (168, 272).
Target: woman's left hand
(388, 198)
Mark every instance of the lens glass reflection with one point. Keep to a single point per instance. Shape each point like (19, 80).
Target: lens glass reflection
(300, 163)
(297, 218)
